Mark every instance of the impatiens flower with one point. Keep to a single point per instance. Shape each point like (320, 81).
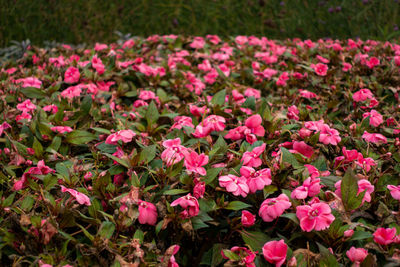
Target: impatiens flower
(384, 236)
(329, 136)
(189, 204)
(181, 121)
(80, 197)
(302, 148)
(316, 216)
(61, 129)
(252, 158)
(394, 191)
(346, 66)
(375, 118)
(214, 123)
(275, 252)
(362, 95)
(199, 189)
(247, 218)
(170, 253)
(147, 213)
(310, 188)
(348, 233)
(3, 127)
(363, 185)
(254, 124)
(357, 255)
(272, 208)
(174, 151)
(307, 94)
(374, 138)
(26, 106)
(246, 256)
(72, 75)
(71, 92)
(320, 69)
(30, 82)
(194, 162)
(372, 62)
(98, 65)
(256, 180)
(235, 185)
(124, 135)
(293, 113)
(236, 133)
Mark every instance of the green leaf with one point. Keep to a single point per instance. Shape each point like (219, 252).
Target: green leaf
(250, 103)
(85, 232)
(237, 205)
(211, 175)
(173, 192)
(219, 98)
(207, 205)
(255, 240)
(79, 137)
(139, 235)
(27, 203)
(148, 154)
(107, 229)
(120, 161)
(152, 113)
(349, 190)
(289, 158)
(32, 92)
(37, 146)
(360, 235)
(290, 216)
(231, 255)
(8, 201)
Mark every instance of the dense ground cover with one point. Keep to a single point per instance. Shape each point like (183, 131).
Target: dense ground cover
(92, 21)
(198, 151)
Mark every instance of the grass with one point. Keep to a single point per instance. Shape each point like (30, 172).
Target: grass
(76, 21)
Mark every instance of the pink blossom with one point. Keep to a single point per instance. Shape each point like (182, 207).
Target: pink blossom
(346, 67)
(214, 123)
(372, 62)
(98, 65)
(3, 127)
(26, 106)
(252, 158)
(363, 185)
(307, 94)
(357, 255)
(329, 136)
(320, 69)
(124, 135)
(199, 189)
(80, 197)
(194, 162)
(236, 185)
(384, 236)
(174, 151)
(72, 75)
(362, 95)
(254, 124)
(272, 208)
(71, 92)
(375, 118)
(189, 204)
(180, 121)
(236, 133)
(256, 180)
(394, 191)
(30, 82)
(302, 148)
(348, 233)
(197, 111)
(315, 216)
(52, 108)
(247, 218)
(61, 129)
(275, 252)
(374, 138)
(247, 256)
(311, 187)
(293, 113)
(147, 213)
(252, 92)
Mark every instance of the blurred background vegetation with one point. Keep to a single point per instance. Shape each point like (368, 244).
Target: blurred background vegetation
(89, 21)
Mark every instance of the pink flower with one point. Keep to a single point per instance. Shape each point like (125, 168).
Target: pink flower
(329, 136)
(189, 204)
(30, 82)
(61, 129)
(248, 218)
(372, 62)
(147, 213)
(181, 121)
(384, 236)
(254, 124)
(236, 185)
(236, 133)
(194, 162)
(275, 252)
(348, 233)
(26, 106)
(214, 123)
(374, 138)
(98, 64)
(363, 185)
(302, 148)
(71, 92)
(320, 69)
(80, 197)
(272, 208)
(375, 118)
(362, 95)
(197, 111)
(394, 191)
(124, 135)
(53, 108)
(357, 255)
(199, 189)
(256, 180)
(252, 158)
(315, 216)
(307, 94)
(72, 75)
(346, 67)
(310, 188)
(3, 127)
(174, 151)
(293, 113)
(246, 256)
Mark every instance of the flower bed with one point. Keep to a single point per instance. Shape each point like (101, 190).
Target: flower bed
(201, 151)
